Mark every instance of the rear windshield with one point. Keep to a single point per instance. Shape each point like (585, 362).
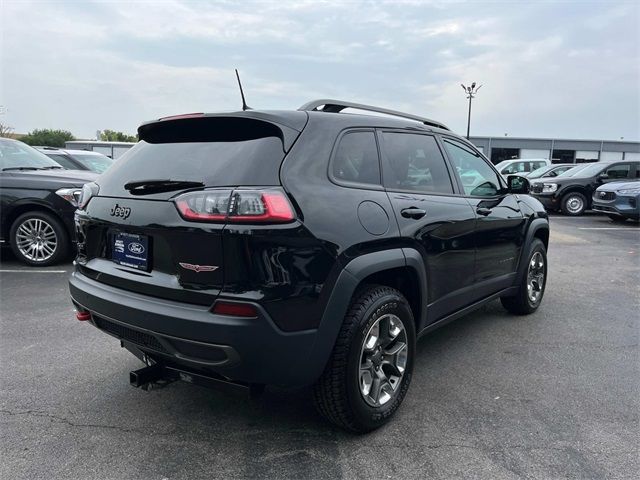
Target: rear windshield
(220, 163)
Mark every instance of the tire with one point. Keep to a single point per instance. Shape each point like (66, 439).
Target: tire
(340, 393)
(52, 238)
(522, 303)
(574, 204)
(618, 218)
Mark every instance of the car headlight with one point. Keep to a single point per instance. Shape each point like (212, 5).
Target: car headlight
(630, 191)
(549, 187)
(88, 191)
(71, 195)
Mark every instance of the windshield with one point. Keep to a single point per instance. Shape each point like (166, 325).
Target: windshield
(17, 155)
(538, 172)
(96, 162)
(590, 170)
(572, 171)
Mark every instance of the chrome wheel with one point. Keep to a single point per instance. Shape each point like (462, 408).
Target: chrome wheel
(383, 359)
(535, 277)
(574, 205)
(36, 240)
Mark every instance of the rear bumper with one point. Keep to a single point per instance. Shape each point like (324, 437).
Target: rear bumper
(250, 350)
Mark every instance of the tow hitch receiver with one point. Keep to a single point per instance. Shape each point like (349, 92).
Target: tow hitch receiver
(143, 376)
(161, 375)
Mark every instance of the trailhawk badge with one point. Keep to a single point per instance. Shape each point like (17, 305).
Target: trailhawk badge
(198, 268)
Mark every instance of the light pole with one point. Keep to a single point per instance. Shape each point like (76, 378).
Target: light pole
(471, 92)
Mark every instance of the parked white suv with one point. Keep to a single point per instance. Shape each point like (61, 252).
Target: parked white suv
(519, 165)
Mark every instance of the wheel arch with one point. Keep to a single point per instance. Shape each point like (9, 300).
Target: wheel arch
(25, 207)
(400, 268)
(538, 229)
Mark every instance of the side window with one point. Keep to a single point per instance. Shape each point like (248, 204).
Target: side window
(356, 159)
(618, 171)
(477, 177)
(414, 162)
(537, 165)
(515, 167)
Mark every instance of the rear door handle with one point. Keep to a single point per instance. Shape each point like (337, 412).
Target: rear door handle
(413, 212)
(483, 211)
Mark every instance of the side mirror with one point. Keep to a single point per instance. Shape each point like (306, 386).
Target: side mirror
(603, 176)
(517, 184)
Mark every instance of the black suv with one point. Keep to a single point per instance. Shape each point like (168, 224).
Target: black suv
(572, 194)
(37, 201)
(301, 247)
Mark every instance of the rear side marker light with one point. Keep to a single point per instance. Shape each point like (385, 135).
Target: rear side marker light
(269, 205)
(235, 309)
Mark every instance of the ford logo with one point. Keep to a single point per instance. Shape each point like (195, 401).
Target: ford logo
(135, 247)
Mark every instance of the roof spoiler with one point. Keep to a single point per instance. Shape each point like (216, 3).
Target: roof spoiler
(336, 106)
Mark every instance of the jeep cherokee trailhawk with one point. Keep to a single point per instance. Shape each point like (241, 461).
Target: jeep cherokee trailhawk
(307, 247)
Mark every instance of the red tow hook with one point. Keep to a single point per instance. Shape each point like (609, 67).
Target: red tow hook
(83, 315)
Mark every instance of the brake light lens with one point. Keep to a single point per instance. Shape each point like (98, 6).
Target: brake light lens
(205, 205)
(235, 309)
(237, 206)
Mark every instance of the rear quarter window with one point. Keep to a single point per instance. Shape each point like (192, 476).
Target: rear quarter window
(356, 159)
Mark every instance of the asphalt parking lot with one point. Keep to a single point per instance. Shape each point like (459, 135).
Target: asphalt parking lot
(552, 395)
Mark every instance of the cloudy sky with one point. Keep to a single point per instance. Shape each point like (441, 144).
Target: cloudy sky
(567, 69)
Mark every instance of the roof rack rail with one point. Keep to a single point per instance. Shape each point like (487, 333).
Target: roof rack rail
(336, 106)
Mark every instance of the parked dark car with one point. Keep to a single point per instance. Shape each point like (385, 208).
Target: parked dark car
(38, 199)
(572, 195)
(78, 159)
(619, 200)
(295, 248)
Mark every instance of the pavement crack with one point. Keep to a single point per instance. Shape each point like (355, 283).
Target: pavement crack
(66, 421)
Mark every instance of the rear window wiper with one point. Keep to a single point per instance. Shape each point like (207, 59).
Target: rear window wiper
(147, 187)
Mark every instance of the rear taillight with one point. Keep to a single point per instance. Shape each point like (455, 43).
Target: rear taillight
(88, 191)
(205, 205)
(238, 206)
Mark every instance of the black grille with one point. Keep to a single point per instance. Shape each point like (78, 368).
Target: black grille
(536, 188)
(134, 336)
(605, 195)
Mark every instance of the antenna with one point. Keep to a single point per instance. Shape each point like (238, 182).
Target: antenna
(244, 103)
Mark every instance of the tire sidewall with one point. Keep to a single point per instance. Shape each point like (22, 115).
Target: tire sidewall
(373, 417)
(565, 200)
(61, 237)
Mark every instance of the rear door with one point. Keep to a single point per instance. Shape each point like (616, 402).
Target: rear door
(431, 217)
(500, 228)
(155, 225)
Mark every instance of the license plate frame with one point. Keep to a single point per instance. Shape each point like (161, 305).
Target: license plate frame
(131, 250)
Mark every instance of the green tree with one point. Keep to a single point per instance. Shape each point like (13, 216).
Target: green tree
(47, 137)
(113, 136)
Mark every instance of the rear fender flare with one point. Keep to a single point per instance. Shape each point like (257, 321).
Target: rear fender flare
(536, 225)
(345, 286)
